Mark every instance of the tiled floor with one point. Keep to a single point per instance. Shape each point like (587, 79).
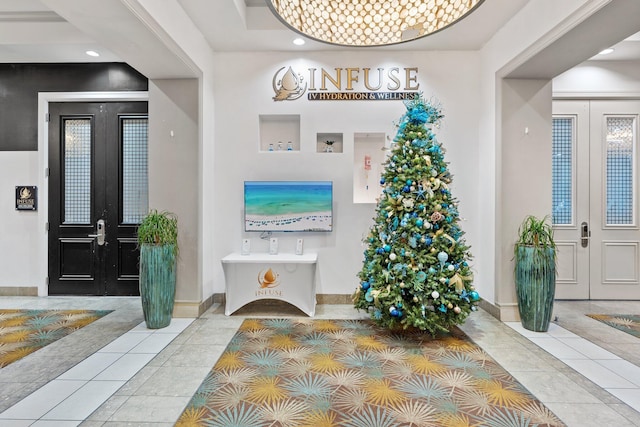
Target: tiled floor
(116, 372)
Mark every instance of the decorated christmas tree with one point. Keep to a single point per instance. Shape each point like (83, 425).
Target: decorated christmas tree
(416, 271)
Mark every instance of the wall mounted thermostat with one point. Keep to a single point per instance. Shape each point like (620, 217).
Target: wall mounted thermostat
(273, 246)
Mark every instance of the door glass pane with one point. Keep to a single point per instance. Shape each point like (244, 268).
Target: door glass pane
(135, 194)
(620, 170)
(562, 170)
(77, 171)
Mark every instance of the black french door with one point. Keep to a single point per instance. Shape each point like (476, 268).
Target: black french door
(97, 196)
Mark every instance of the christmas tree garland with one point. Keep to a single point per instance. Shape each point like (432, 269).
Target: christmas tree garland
(415, 271)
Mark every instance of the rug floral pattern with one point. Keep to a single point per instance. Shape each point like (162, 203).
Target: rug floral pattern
(24, 331)
(351, 373)
(628, 323)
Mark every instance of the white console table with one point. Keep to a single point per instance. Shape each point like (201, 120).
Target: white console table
(286, 277)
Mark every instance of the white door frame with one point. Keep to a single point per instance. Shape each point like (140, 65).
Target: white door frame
(44, 98)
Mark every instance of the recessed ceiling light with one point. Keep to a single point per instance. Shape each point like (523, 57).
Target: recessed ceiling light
(298, 41)
(92, 53)
(606, 51)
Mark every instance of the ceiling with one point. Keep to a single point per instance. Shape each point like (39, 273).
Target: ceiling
(50, 31)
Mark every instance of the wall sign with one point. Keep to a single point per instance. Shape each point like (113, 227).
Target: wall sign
(26, 198)
(346, 84)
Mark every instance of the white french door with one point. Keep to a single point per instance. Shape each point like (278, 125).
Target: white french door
(595, 200)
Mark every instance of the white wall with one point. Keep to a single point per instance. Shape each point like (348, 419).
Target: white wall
(534, 27)
(597, 78)
(173, 171)
(20, 248)
(243, 91)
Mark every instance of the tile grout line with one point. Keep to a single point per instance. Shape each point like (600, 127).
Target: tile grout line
(633, 404)
(137, 330)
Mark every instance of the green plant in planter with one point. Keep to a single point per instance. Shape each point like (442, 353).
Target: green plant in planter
(535, 272)
(159, 228)
(158, 242)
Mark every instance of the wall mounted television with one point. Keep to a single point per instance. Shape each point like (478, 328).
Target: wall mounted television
(288, 206)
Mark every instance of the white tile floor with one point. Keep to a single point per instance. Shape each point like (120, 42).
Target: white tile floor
(586, 372)
(76, 394)
(603, 368)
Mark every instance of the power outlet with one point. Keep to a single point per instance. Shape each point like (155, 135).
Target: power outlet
(299, 244)
(273, 246)
(246, 247)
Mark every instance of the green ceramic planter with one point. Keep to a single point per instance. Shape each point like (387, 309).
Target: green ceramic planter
(535, 276)
(157, 284)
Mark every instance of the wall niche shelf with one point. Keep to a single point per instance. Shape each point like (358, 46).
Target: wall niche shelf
(329, 143)
(279, 133)
(368, 155)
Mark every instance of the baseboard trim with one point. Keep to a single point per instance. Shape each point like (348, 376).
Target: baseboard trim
(192, 308)
(195, 309)
(18, 291)
(508, 312)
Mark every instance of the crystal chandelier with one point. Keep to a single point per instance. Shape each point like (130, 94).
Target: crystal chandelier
(369, 22)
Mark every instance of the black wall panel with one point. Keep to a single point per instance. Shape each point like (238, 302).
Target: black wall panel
(20, 84)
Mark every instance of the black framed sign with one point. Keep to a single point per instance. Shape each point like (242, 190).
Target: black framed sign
(26, 198)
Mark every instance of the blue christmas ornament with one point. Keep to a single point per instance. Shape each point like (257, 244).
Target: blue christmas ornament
(382, 181)
(428, 240)
(377, 314)
(403, 223)
(387, 248)
(413, 242)
(395, 179)
(421, 276)
(474, 296)
(419, 222)
(442, 308)
(365, 285)
(368, 297)
(406, 189)
(443, 257)
(394, 312)
(409, 182)
(432, 270)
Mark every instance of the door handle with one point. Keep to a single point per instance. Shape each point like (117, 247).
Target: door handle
(100, 232)
(584, 234)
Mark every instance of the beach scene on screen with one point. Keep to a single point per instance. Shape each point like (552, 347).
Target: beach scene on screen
(288, 205)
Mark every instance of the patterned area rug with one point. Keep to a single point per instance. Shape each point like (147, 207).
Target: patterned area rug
(350, 373)
(24, 331)
(628, 323)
